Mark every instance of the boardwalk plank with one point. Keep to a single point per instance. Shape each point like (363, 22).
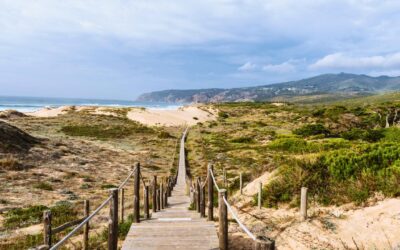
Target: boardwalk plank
(165, 231)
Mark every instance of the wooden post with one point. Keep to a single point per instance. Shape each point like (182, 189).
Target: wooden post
(260, 196)
(224, 176)
(198, 184)
(122, 204)
(195, 196)
(303, 204)
(158, 200)
(202, 200)
(113, 222)
(86, 227)
(47, 227)
(154, 205)
(136, 191)
(223, 220)
(210, 194)
(263, 243)
(166, 196)
(170, 186)
(146, 202)
(241, 183)
(162, 194)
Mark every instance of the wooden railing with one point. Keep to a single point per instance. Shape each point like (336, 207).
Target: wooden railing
(160, 194)
(259, 242)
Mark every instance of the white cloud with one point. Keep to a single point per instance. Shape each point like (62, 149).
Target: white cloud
(248, 66)
(342, 61)
(282, 68)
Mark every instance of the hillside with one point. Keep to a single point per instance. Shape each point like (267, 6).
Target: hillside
(327, 86)
(13, 139)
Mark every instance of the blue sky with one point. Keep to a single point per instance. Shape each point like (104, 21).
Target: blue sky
(119, 49)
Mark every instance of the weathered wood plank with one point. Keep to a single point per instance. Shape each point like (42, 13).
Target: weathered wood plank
(175, 227)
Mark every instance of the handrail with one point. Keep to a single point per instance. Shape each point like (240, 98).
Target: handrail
(82, 222)
(126, 180)
(238, 221)
(250, 234)
(58, 244)
(213, 178)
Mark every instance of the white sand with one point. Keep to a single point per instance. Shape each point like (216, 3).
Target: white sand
(50, 112)
(186, 116)
(182, 116)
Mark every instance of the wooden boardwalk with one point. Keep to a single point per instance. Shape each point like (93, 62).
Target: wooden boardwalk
(175, 227)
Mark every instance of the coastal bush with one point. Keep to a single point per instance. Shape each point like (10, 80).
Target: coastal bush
(346, 164)
(23, 217)
(370, 135)
(123, 228)
(339, 176)
(391, 134)
(97, 131)
(108, 186)
(293, 145)
(101, 126)
(43, 186)
(334, 112)
(243, 139)
(312, 129)
(223, 115)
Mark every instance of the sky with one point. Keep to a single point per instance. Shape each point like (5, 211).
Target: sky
(119, 49)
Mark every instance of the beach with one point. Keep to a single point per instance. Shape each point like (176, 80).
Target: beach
(181, 116)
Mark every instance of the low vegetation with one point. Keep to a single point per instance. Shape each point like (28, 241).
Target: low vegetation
(342, 153)
(19, 217)
(79, 156)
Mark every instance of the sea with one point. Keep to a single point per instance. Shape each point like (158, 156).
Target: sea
(30, 104)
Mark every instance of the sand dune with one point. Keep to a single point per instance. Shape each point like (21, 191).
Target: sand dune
(188, 115)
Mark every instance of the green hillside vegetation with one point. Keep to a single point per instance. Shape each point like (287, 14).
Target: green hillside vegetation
(343, 152)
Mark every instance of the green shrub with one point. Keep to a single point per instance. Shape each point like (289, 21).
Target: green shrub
(108, 186)
(21, 217)
(370, 135)
(97, 131)
(243, 139)
(391, 134)
(339, 176)
(345, 164)
(312, 129)
(105, 128)
(223, 115)
(43, 186)
(294, 145)
(123, 228)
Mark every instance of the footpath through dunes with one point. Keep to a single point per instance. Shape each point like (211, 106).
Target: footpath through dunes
(175, 227)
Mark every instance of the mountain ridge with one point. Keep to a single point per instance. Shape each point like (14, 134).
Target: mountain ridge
(342, 85)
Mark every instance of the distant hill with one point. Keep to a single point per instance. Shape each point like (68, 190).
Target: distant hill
(330, 86)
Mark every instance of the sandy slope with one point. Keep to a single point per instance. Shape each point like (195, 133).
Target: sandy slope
(188, 115)
(346, 227)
